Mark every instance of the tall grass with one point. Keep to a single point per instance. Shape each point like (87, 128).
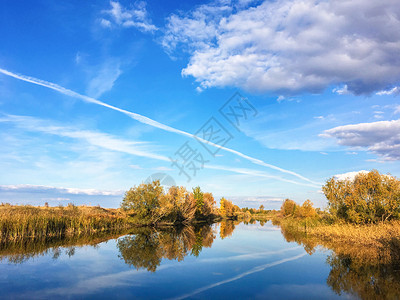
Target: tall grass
(369, 242)
(17, 222)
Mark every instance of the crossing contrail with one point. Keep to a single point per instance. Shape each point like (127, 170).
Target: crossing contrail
(147, 121)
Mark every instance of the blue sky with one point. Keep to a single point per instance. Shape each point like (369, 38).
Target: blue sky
(96, 96)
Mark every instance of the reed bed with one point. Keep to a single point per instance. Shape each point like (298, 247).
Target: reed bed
(368, 235)
(371, 242)
(18, 222)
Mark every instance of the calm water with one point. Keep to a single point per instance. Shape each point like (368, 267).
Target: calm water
(223, 261)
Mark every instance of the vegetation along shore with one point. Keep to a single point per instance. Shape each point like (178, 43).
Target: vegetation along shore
(362, 211)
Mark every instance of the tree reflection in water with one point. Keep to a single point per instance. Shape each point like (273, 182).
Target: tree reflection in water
(147, 246)
(226, 228)
(365, 279)
(365, 272)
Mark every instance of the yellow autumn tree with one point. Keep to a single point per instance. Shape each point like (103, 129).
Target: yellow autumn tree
(369, 197)
(288, 208)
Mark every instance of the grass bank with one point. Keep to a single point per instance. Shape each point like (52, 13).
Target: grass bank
(19, 222)
(378, 241)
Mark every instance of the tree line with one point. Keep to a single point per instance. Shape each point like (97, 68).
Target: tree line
(368, 198)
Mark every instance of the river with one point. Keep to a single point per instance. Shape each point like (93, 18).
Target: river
(222, 261)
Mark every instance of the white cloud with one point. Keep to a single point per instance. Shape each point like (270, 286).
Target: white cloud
(349, 175)
(378, 116)
(280, 98)
(290, 99)
(105, 23)
(290, 46)
(105, 77)
(62, 190)
(341, 91)
(56, 199)
(351, 153)
(352, 175)
(393, 91)
(136, 17)
(94, 138)
(381, 138)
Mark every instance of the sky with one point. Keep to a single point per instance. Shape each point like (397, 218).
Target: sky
(256, 101)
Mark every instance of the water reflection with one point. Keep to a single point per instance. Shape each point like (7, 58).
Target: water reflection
(367, 281)
(147, 246)
(23, 250)
(365, 272)
(361, 271)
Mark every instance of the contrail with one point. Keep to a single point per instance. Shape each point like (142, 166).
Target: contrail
(254, 270)
(146, 120)
(109, 142)
(255, 173)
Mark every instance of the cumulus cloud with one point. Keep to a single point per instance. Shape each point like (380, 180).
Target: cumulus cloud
(352, 175)
(290, 46)
(381, 138)
(349, 175)
(136, 17)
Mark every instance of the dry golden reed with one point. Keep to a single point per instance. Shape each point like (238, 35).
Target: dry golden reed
(17, 221)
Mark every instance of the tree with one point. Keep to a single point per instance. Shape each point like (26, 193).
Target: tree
(307, 210)
(199, 199)
(227, 209)
(370, 197)
(144, 201)
(181, 204)
(261, 209)
(208, 204)
(288, 207)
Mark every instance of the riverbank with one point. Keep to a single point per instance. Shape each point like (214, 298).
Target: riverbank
(36, 222)
(377, 241)
(24, 221)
